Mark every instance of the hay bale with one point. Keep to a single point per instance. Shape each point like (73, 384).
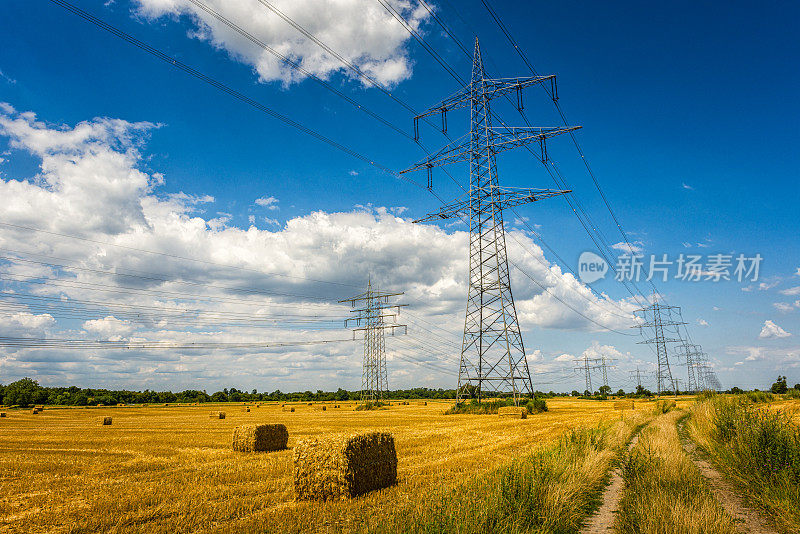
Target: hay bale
(250, 438)
(106, 420)
(35, 411)
(2, 414)
(247, 409)
(623, 405)
(513, 412)
(311, 404)
(324, 408)
(217, 415)
(291, 409)
(339, 467)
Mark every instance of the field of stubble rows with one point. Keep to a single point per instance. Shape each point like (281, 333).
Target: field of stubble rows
(171, 468)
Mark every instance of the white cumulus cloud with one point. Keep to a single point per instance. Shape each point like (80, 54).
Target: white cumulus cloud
(242, 285)
(362, 31)
(771, 330)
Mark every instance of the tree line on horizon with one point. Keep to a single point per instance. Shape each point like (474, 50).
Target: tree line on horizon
(27, 392)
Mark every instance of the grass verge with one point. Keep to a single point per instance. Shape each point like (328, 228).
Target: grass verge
(552, 490)
(758, 448)
(664, 491)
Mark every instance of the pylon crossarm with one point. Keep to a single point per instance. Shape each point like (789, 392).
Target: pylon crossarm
(368, 319)
(503, 138)
(371, 295)
(508, 137)
(504, 197)
(456, 151)
(380, 307)
(492, 88)
(654, 324)
(383, 327)
(659, 340)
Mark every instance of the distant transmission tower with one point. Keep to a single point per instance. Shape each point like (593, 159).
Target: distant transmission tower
(691, 353)
(638, 375)
(492, 353)
(706, 377)
(603, 366)
(656, 311)
(586, 365)
(587, 371)
(370, 319)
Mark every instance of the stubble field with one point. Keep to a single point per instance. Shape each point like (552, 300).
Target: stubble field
(171, 468)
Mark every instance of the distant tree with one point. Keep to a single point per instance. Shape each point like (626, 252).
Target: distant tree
(797, 387)
(605, 390)
(736, 390)
(575, 393)
(780, 385)
(621, 392)
(587, 393)
(219, 396)
(22, 392)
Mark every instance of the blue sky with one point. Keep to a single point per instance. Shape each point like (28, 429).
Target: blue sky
(690, 121)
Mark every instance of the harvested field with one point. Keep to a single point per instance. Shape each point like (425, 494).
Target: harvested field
(513, 412)
(168, 469)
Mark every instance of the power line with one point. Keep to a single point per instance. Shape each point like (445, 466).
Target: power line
(422, 42)
(27, 342)
(225, 88)
(554, 98)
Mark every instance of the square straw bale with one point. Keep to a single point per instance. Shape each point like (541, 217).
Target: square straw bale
(340, 467)
(106, 420)
(217, 415)
(250, 438)
(513, 412)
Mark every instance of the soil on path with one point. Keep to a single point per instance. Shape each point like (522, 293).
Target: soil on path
(748, 518)
(602, 521)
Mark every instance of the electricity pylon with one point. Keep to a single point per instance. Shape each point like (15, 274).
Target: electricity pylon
(370, 320)
(692, 353)
(492, 352)
(659, 339)
(586, 365)
(706, 377)
(587, 371)
(638, 374)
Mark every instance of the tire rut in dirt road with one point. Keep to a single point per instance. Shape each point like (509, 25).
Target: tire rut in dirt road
(748, 519)
(602, 521)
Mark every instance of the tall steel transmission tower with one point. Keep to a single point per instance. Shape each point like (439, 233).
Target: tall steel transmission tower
(706, 377)
(653, 317)
(492, 352)
(583, 365)
(692, 353)
(370, 318)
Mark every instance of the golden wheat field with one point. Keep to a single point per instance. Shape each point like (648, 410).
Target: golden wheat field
(172, 468)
